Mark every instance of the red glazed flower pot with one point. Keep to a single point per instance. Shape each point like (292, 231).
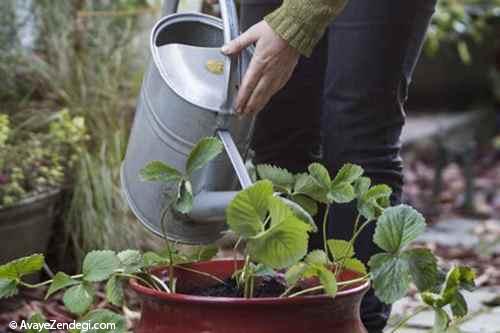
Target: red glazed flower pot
(179, 313)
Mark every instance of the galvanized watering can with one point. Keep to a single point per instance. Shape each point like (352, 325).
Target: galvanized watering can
(180, 103)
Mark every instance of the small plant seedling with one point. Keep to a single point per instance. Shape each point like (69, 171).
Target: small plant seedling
(204, 151)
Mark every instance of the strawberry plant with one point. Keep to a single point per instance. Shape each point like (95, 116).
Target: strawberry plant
(394, 269)
(104, 266)
(274, 218)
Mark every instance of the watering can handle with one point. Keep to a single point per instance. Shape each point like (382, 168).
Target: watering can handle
(231, 31)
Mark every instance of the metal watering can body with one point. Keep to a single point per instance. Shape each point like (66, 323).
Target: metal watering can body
(181, 101)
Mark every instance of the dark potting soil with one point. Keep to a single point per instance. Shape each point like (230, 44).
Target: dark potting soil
(265, 287)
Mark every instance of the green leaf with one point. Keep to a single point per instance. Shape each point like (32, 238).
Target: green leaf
(281, 178)
(457, 278)
(341, 193)
(246, 212)
(441, 321)
(105, 316)
(348, 174)
(206, 253)
(340, 249)
(60, 281)
(23, 266)
(36, 324)
(153, 259)
(317, 257)
(263, 270)
(320, 174)
(131, 260)
(459, 306)
(397, 227)
(79, 298)
(467, 276)
(308, 204)
(184, 200)
(278, 210)
(295, 273)
(390, 277)
(282, 245)
(361, 185)
(341, 189)
(158, 171)
(373, 202)
(300, 213)
(423, 268)
(8, 288)
(306, 185)
(205, 150)
(430, 299)
(99, 265)
(355, 265)
(328, 281)
(178, 258)
(114, 291)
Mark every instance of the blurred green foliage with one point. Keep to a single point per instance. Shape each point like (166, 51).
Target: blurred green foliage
(460, 23)
(87, 56)
(36, 161)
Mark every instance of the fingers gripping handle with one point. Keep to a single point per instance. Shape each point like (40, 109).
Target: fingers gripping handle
(231, 31)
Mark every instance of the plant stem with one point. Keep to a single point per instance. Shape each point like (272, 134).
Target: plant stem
(356, 224)
(235, 254)
(44, 283)
(132, 276)
(317, 288)
(160, 282)
(306, 291)
(405, 320)
(266, 221)
(288, 290)
(171, 278)
(170, 281)
(252, 285)
(246, 271)
(357, 232)
(200, 272)
(325, 222)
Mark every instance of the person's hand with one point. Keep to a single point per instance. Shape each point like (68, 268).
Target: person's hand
(270, 68)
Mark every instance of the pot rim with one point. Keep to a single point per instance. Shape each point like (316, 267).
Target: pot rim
(185, 298)
(37, 196)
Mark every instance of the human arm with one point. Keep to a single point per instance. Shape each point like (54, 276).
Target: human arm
(291, 30)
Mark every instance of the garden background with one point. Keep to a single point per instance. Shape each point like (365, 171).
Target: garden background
(70, 76)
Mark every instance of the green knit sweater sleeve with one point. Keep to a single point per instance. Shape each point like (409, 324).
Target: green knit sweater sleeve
(303, 22)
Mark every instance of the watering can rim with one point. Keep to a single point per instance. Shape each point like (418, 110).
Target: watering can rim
(187, 17)
(175, 18)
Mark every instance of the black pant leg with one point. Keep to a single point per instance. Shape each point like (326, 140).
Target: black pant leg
(373, 46)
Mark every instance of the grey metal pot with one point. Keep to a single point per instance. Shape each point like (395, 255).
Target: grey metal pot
(181, 102)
